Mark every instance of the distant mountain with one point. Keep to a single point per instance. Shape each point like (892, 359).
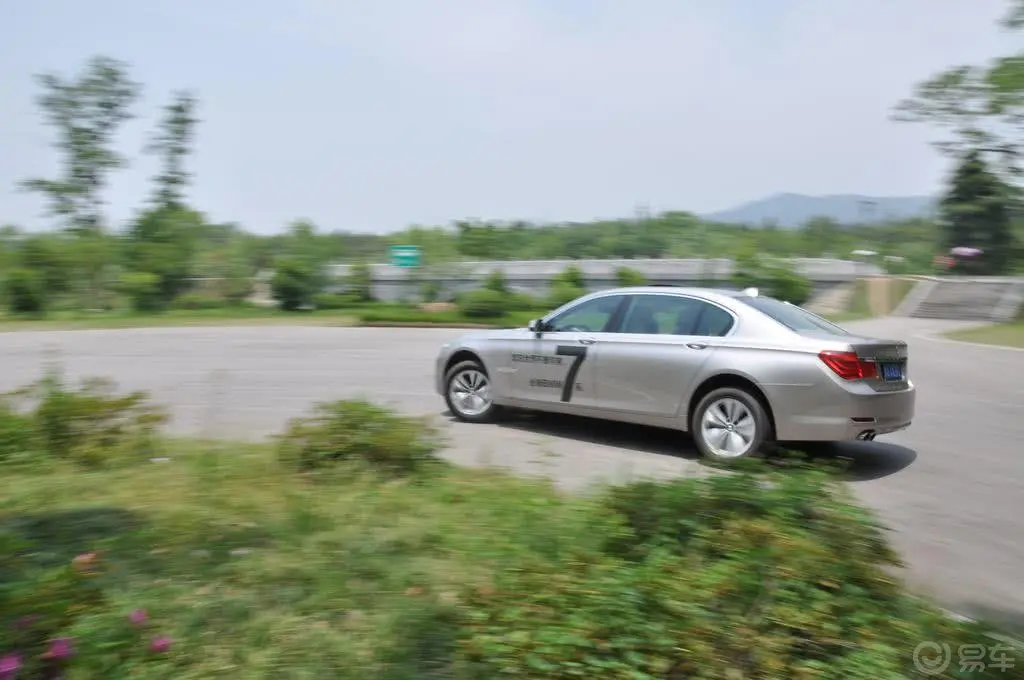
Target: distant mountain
(794, 210)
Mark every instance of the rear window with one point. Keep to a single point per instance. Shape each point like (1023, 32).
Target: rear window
(792, 317)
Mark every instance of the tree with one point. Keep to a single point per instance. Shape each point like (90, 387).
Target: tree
(173, 144)
(977, 213)
(982, 105)
(86, 111)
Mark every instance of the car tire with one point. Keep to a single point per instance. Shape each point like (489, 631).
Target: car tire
(465, 378)
(738, 408)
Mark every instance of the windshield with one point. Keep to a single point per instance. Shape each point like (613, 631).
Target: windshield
(792, 317)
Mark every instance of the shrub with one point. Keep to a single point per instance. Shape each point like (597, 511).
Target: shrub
(571, 276)
(25, 292)
(358, 431)
(732, 576)
(561, 293)
(195, 301)
(143, 291)
(91, 425)
(629, 277)
(482, 304)
(772, 279)
(333, 301)
(495, 281)
(359, 282)
(293, 285)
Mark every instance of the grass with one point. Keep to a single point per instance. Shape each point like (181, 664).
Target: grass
(380, 314)
(258, 572)
(240, 316)
(1006, 335)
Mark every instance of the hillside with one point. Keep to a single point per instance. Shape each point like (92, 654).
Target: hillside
(793, 210)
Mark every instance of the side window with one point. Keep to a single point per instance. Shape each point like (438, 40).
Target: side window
(590, 316)
(661, 315)
(714, 321)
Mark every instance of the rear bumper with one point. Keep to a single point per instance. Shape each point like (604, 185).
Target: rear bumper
(843, 415)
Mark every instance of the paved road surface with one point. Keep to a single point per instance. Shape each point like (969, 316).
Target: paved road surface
(952, 486)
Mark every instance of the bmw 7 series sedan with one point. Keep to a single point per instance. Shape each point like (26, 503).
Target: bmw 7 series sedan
(737, 370)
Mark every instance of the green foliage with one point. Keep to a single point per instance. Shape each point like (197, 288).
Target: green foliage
(24, 292)
(60, 621)
(772, 279)
(485, 303)
(334, 301)
(91, 425)
(627, 277)
(740, 575)
(359, 282)
(198, 301)
(294, 284)
(495, 282)
(386, 572)
(355, 431)
(976, 211)
(571, 276)
(143, 290)
(562, 293)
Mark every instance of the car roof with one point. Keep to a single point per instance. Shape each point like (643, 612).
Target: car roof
(719, 294)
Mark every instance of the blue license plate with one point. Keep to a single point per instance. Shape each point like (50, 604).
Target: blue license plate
(892, 372)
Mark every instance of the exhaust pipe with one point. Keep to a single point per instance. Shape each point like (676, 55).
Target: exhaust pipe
(866, 436)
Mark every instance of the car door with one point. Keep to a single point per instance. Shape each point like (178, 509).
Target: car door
(649, 365)
(555, 367)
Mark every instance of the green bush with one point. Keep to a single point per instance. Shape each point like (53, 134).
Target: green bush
(91, 425)
(627, 277)
(294, 284)
(333, 301)
(143, 291)
(561, 293)
(358, 431)
(496, 281)
(740, 575)
(570, 276)
(195, 301)
(483, 304)
(772, 279)
(25, 292)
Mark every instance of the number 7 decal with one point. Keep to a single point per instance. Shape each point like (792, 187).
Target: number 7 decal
(570, 379)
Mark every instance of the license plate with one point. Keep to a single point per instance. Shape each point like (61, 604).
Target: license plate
(892, 372)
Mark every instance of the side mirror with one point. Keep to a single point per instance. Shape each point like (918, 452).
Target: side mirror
(536, 326)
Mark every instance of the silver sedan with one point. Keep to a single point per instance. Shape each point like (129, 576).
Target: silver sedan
(735, 369)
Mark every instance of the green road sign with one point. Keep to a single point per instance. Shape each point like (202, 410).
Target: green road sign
(405, 256)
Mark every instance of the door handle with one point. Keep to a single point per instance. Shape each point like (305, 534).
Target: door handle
(587, 341)
(696, 345)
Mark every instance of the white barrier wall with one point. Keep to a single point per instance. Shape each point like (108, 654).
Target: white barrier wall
(534, 276)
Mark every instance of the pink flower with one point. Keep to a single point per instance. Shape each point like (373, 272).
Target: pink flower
(9, 666)
(60, 648)
(138, 617)
(160, 644)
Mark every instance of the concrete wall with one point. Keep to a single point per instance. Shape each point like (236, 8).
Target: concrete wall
(534, 276)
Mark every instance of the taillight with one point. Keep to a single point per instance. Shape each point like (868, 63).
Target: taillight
(848, 366)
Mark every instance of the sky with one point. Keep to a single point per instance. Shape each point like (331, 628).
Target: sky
(370, 116)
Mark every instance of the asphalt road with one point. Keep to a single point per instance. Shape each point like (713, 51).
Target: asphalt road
(951, 487)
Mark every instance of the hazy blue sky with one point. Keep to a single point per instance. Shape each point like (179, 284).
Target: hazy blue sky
(374, 114)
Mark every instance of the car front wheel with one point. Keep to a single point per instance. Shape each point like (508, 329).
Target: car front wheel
(728, 424)
(468, 393)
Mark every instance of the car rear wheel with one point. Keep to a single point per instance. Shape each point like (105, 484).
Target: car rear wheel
(468, 393)
(728, 424)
